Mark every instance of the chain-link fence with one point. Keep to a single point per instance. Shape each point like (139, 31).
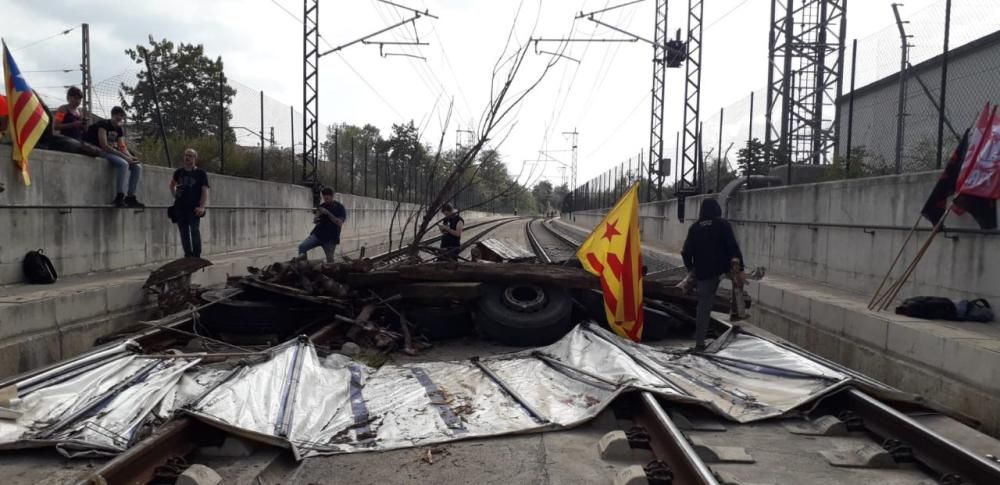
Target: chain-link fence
(889, 122)
(876, 104)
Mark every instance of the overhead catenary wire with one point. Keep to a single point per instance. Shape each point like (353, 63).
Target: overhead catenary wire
(45, 39)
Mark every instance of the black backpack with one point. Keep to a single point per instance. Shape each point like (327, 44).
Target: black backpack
(929, 307)
(38, 268)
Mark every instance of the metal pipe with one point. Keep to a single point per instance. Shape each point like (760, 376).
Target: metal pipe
(685, 461)
(901, 102)
(511, 392)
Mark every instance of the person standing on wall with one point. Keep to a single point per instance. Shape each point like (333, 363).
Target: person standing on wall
(709, 252)
(190, 188)
(109, 136)
(451, 230)
(329, 218)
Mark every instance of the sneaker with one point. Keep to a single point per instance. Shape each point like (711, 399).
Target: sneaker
(131, 201)
(119, 200)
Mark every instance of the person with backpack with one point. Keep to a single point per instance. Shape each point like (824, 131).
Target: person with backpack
(709, 252)
(329, 218)
(190, 188)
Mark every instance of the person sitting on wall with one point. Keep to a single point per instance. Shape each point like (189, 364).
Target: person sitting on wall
(451, 230)
(109, 136)
(70, 121)
(190, 188)
(329, 218)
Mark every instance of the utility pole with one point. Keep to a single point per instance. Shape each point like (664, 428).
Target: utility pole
(572, 165)
(904, 61)
(86, 84)
(310, 78)
(666, 54)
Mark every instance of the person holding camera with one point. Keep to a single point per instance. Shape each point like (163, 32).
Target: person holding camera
(190, 188)
(451, 229)
(329, 218)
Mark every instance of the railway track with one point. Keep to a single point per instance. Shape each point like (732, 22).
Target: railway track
(922, 452)
(886, 428)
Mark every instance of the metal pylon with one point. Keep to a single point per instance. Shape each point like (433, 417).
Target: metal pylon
(310, 94)
(805, 54)
(690, 181)
(657, 170)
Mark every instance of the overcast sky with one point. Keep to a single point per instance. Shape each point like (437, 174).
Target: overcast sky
(605, 97)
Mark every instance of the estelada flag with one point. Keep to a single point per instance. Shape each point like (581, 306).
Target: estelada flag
(612, 252)
(27, 119)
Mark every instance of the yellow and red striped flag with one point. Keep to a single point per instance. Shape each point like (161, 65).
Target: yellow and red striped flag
(27, 119)
(612, 252)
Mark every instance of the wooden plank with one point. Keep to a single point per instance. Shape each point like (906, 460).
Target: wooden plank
(442, 290)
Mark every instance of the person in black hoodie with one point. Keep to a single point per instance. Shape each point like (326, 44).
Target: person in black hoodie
(709, 251)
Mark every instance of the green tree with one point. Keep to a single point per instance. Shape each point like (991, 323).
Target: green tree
(753, 157)
(542, 191)
(187, 86)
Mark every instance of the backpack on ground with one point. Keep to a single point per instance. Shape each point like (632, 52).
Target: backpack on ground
(975, 310)
(38, 268)
(929, 307)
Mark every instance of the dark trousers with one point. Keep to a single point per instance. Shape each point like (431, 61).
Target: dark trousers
(706, 299)
(190, 236)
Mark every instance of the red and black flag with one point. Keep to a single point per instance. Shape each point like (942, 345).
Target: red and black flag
(973, 171)
(937, 203)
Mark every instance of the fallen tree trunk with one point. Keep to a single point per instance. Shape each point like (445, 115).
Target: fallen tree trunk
(563, 276)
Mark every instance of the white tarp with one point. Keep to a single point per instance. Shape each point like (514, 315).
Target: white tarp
(334, 405)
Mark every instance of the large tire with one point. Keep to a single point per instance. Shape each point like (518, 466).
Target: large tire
(524, 315)
(441, 322)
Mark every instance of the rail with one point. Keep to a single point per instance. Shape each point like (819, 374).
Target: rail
(952, 460)
(536, 246)
(866, 227)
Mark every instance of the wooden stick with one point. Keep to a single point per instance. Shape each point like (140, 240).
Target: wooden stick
(893, 291)
(906, 242)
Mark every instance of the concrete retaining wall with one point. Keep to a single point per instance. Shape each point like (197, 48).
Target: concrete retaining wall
(851, 258)
(66, 212)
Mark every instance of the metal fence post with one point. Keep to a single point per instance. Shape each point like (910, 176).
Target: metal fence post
(718, 158)
(367, 149)
(353, 155)
(156, 103)
(336, 159)
(850, 110)
(944, 83)
(222, 123)
(378, 195)
(291, 111)
(262, 135)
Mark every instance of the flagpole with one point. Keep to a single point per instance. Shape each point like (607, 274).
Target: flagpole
(894, 290)
(909, 235)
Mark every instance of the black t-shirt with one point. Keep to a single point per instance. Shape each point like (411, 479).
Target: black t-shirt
(114, 135)
(448, 240)
(188, 192)
(325, 230)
